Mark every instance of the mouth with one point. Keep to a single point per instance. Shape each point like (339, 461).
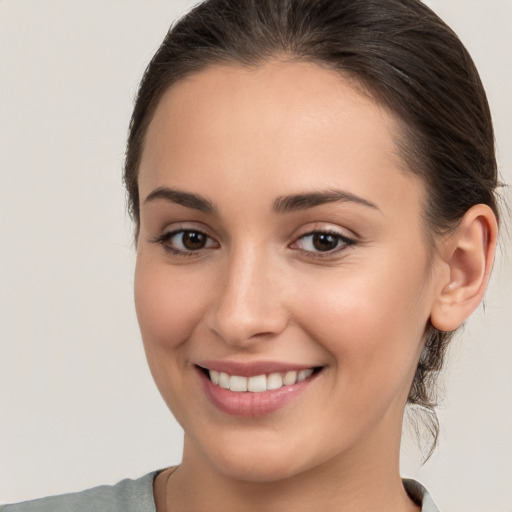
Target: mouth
(255, 388)
(258, 383)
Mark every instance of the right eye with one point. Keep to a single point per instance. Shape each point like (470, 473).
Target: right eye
(186, 242)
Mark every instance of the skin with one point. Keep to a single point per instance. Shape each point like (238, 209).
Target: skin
(241, 138)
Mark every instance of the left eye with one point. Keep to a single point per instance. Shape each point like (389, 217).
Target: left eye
(321, 241)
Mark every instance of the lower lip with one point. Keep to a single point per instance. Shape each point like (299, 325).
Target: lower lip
(252, 404)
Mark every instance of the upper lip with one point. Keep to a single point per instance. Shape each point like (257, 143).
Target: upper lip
(250, 369)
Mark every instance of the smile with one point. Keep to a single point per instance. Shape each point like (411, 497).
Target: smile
(258, 383)
(264, 389)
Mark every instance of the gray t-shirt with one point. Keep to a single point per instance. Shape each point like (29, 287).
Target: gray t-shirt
(137, 496)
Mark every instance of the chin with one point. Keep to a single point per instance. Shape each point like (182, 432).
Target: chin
(258, 459)
(257, 469)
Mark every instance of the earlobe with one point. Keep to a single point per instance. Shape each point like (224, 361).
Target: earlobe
(467, 256)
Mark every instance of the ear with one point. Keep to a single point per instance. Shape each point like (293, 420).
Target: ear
(466, 258)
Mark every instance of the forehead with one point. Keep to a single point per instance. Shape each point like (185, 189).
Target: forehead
(296, 125)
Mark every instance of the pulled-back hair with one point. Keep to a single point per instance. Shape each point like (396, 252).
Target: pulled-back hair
(397, 51)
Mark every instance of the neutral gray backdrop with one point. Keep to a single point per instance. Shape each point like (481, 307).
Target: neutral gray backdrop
(77, 404)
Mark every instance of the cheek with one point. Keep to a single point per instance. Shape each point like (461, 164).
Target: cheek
(169, 307)
(168, 304)
(371, 322)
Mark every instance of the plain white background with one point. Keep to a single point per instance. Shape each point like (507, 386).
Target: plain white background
(78, 407)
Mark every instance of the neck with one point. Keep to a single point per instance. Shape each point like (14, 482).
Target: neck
(368, 482)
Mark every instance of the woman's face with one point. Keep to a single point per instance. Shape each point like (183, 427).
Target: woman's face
(279, 232)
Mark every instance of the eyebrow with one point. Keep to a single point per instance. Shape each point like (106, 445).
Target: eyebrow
(296, 202)
(186, 199)
(283, 204)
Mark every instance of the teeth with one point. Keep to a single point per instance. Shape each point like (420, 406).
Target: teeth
(258, 383)
(304, 374)
(274, 381)
(290, 378)
(214, 375)
(237, 383)
(224, 380)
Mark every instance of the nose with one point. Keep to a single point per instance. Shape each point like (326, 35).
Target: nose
(248, 305)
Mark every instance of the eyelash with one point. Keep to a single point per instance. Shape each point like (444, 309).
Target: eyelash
(342, 242)
(164, 239)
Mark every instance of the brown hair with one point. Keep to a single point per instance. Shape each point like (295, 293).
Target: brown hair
(398, 51)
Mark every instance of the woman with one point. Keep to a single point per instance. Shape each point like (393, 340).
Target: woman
(313, 190)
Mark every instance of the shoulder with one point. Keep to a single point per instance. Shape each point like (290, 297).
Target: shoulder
(126, 496)
(419, 495)
(137, 496)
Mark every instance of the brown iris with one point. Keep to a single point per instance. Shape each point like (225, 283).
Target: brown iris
(193, 240)
(324, 241)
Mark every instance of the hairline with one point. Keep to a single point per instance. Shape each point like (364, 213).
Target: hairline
(402, 138)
